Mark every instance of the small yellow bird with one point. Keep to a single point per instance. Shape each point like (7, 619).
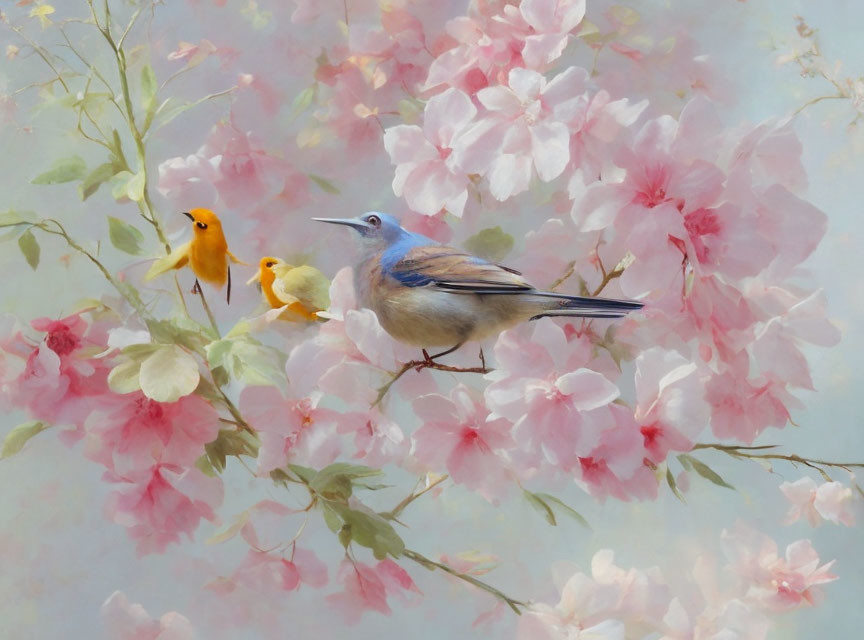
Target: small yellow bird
(206, 254)
(303, 290)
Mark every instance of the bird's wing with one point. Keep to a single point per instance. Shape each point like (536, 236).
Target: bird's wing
(235, 259)
(455, 271)
(304, 284)
(174, 260)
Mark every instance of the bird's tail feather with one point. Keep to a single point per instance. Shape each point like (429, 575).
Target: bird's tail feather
(558, 304)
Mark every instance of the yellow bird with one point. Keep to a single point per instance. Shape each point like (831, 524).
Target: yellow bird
(206, 254)
(303, 290)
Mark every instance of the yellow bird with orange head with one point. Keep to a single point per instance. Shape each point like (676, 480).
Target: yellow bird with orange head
(207, 253)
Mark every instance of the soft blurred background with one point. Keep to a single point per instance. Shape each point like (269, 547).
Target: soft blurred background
(61, 559)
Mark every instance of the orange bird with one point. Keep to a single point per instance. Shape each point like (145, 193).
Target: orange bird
(206, 254)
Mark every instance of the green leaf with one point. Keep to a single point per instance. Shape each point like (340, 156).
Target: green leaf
(541, 507)
(148, 90)
(18, 437)
(305, 474)
(124, 236)
(247, 360)
(124, 377)
(302, 101)
(95, 179)
(64, 170)
(335, 482)
(168, 374)
(126, 185)
(325, 184)
(11, 218)
(704, 470)
(30, 248)
(490, 244)
(230, 531)
(565, 508)
(230, 443)
(670, 480)
(204, 466)
(368, 529)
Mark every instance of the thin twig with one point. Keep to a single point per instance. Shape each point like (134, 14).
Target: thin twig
(432, 564)
(419, 365)
(813, 463)
(399, 508)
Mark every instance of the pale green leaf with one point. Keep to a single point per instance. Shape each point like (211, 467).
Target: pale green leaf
(63, 170)
(670, 480)
(124, 236)
(168, 374)
(95, 179)
(18, 437)
(148, 88)
(325, 184)
(124, 377)
(126, 185)
(704, 470)
(565, 508)
(491, 244)
(30, 248)
(230, 531)
(541, 507)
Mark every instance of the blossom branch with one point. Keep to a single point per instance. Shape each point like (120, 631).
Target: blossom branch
(419, 365)
(399, 508)
(750, 452)
(432, 564)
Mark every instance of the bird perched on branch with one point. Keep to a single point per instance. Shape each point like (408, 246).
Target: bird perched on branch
(302, 290)
(206, 254)
(430, 295)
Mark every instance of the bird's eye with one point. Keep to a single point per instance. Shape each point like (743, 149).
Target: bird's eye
(201, 225)
(374, 220)
(270, 264)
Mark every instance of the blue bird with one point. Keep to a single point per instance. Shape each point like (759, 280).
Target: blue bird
(430, 295)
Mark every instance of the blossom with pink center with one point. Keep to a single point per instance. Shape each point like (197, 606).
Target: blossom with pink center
(368, 588)
(670, 404)
(742, 408)
(290, 430)
(425, 173)
(136, 432)
(159, 504)
(378, 440)
(235, 163)
(776, 583)
(832, 501)
(524, 130)
(60, 382)
(485, 50)
(124, 620)
(458, 435)
(543, 386)
(547, 25)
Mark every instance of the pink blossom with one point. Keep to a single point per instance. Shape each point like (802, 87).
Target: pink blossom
(542, 385)
(126, 621)
(233, 162)
(425, 174)
(159, 504)
(525, 129)
(368, 588)
(670, 402)
(60, 382)
(549, 22)
(290, 430)
(831, 501)
(135, 432)
(776, 583)
(265, 573)
(378, 440)
(611, 604)
(458, 434)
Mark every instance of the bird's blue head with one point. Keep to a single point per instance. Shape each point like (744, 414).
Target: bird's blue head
(376, 230)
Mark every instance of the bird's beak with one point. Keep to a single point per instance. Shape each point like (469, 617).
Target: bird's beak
(255, 278)
(188, 215)
(356, 223)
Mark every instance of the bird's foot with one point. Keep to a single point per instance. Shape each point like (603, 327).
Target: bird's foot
(196, 288)
(482, 359)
